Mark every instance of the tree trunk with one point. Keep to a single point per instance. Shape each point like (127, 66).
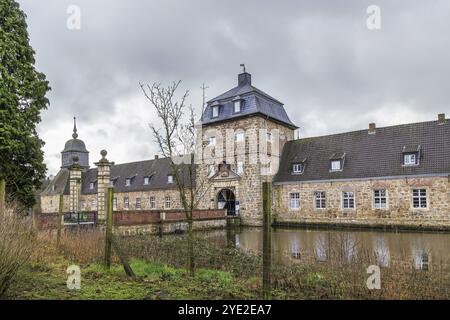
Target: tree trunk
(2, 196)
(191, 248)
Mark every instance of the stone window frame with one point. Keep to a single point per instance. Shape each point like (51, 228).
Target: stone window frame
(138, 203)
(315, 200)
(114, 203)
(290, 200)
(152, 202)
(343, 200)
(167, 202)
(386, 195)
(427, 198)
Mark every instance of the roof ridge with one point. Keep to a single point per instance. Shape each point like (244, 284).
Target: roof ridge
(364, 130)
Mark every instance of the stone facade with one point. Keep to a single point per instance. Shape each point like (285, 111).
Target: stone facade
(399, 202)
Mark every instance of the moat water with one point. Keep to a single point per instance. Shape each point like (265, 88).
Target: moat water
(416, 248)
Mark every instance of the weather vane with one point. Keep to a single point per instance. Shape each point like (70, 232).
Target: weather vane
(243, 66)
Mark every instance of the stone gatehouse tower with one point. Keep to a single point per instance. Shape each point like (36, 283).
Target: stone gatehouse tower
(243, 133)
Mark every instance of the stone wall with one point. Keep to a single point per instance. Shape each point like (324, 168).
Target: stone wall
(399, 210)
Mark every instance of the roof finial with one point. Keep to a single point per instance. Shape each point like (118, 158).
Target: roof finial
(243, 66)
(74, 135)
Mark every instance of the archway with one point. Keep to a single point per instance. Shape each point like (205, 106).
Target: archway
(226, 200)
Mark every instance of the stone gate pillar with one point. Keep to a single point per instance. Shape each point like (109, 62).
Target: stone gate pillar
(103, 182)
(74, 186)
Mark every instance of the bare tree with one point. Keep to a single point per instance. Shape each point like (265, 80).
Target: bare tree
(177, 140)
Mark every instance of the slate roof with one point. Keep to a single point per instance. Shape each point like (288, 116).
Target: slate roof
(157, 169)
(254, 101)
(370, 155)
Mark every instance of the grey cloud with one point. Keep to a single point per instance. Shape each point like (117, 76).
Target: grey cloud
(318, 57)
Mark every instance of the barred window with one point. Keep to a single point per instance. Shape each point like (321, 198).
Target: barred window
(319, 199)
(379, 198)
(295, 200)
(152, 203)
(420, 198)
(348, 200)
(138, 203)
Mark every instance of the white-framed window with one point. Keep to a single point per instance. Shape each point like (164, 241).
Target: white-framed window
(211, 170)
(335, 165)
(126, 202)
(409, 159)
(319, 199)
(269, 136)
(237, 106)
(211, 141)
(295, 200)
(146, 180)
(240, 167)
(152, 203)
(379, 199)
(127, 182)
(240, 137)
(114, 203)
(167, 202)
(170, 178)
(420, 198)
(215, 111)
(297, 168)
(348, 200)
(138, 203)
(91, 186)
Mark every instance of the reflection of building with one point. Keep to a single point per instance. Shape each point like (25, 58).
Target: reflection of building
(390, 175)
(381, 252)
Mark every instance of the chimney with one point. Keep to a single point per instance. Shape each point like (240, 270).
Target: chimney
(372, 127)
(156, 157)
(441, 118)
(244, 79)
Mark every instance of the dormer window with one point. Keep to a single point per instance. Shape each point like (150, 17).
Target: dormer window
(409, 159)
(147, 180)
(335, 165)
(411, 155)
(170, 178)
(337, 162)
(91, 185)
(237, 106)
(127, 182)
(215, 111)
(297, 168)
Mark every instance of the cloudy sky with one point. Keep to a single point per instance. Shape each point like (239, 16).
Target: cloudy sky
(318, 57)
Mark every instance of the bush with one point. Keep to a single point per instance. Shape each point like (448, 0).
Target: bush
(16, 245)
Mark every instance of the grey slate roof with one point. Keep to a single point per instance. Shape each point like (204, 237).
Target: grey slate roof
(370, 155)
(254, 101)
(158, 169)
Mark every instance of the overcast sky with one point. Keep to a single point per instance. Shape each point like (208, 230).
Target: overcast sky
(318, 57)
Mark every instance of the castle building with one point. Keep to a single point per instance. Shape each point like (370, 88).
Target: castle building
(392, 175)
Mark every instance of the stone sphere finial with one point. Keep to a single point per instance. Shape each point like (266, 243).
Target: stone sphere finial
(75, 159)
(103, 153)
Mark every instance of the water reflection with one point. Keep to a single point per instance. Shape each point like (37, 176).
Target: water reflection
(384, 248)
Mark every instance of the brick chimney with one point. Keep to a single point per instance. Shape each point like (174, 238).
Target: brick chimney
(244, 79)
(441, 118)
(372, 127)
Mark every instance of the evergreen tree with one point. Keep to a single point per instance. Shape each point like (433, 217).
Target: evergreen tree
(22, 98)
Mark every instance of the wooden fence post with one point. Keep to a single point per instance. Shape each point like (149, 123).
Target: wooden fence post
(2, 196)
(267, 240)
(109, 223)
(60, 220)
